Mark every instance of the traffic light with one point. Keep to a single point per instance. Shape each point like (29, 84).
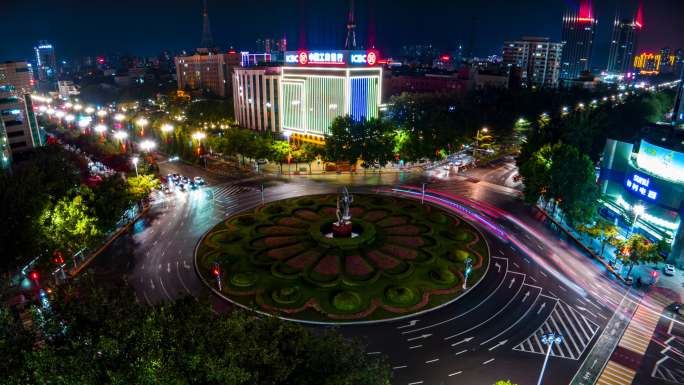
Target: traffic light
(34, 275)
(216, 270)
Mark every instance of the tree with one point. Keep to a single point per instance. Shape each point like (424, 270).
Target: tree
(504, 382)
(637, 250)
(97, 335)
(573, 183)
(71, 224)
(535, 173)
(140, 187)
(112, 199)
(309, 152)
(280, 150)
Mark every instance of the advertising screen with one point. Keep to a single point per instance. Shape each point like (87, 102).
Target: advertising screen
(664, 163)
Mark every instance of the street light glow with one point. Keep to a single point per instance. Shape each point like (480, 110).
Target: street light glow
(147, 145)
(119, 117)
(142, 122)
(100, 128)
(78, 107)
(69, 118)
(102, 113)
(120, 135)
(89, 110)
(167, 128)
(199, 135)
(639, 209)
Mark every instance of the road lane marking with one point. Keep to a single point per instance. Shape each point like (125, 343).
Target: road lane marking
(455, 373)
(164, 289)
(432, 360)
(415, 383)
(415, 347)
(516, 265)
(372, 353)
(488, 361)
(419, 337)
(399, 367)
(461, 352)
(411, 323)
(462, 341)
(181, 279)
(151, 284)
(465, 313)
(147, 299)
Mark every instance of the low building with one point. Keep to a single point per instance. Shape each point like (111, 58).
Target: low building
(16, 108)
(67, 89)
(425, 83)
(207, 72)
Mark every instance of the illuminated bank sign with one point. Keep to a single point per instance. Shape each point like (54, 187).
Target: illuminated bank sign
(369, 58)
(641, 185)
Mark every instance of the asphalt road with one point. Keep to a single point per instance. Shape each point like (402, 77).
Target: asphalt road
(537, 282)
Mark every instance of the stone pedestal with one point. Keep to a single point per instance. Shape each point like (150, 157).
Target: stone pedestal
(342, 229)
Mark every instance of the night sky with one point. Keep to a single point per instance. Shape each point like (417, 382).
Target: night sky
(147, 27)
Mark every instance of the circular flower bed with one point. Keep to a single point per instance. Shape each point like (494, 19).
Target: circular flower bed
(404, 258)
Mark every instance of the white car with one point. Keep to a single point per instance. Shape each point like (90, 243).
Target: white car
(669, 269)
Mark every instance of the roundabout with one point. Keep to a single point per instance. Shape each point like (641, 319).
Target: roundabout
(375, 258)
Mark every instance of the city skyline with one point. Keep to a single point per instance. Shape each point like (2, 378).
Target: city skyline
(379, 25)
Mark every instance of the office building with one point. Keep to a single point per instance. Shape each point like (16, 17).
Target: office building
(67, 89)
(207, 73)
(667, 61)
(578, 40)
(256, 92)
(304, 96)
(46, 63)
(16, 107)
(537, 59)
(274, 47)
(622, 45)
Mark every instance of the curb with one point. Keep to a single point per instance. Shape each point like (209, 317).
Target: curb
(581, 245)
(104, 246)
(335, 323)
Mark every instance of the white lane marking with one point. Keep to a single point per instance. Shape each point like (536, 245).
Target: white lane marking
(147, 299)
(461, 352)
(461, 315)
(462, 341)
(488, 361)
(543, 305)
(455, 373)
(501, 343)
(562, 288)
(542, 273)
(372, 353)
(164, 289)
(415, 347)
(516, 322)
(419, 337)
(432, 360)
(516, 265)
(168, 267)
(415, 383)
(532, 278)
(490, 318)
(512, 282)
(399, 367)
(151, 284)
(181, 279)
(411, 323)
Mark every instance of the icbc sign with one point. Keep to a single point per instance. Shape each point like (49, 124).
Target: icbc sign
(303, 58)
(370, 58)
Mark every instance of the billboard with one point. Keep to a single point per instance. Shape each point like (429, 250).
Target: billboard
(661, 162)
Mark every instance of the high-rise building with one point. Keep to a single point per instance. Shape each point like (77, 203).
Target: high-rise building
(46, 63)
(678, 110)
(578, 39)
(648, 63)
(274, 47)
(623, 43)
(537, 58)
(668, 61)
(208, 72)
(16, 107)
(679, 61)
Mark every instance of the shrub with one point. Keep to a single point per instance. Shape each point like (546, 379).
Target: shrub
(401, 295)
(347, 301)
(243, 279)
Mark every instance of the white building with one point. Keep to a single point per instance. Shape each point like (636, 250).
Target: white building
(255, 97)
(538, 59)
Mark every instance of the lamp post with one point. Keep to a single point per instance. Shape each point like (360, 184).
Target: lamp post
(638, 210)
(135, 161)
(167, 129)
(147, 145)
(288, 134)
(142, 122)
(466, 272)
(121, 137)
(549, 339)
(199, 136)
(477, 138)
(422, 196)
(101, 129)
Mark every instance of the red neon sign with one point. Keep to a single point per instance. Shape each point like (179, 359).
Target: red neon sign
(303, 58)
(371, 58)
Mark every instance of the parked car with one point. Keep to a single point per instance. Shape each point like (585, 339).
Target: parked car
(669, 270)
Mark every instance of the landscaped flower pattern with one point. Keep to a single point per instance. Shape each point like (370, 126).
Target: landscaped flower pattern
(406, 258)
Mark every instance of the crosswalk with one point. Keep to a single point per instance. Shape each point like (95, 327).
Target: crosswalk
(670, 370)
(616, 374)
(222, 193)
(577, 332)
(637, 337)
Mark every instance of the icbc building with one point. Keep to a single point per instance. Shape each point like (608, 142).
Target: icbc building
(314, 87)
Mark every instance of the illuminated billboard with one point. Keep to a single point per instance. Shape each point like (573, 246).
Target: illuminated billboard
(661, 162)
(328, 57)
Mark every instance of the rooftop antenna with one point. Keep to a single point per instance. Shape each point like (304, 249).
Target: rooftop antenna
(350, 43)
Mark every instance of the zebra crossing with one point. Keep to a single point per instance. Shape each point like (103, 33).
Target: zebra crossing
(669, 369)
(616, 374)
(577, 332)
(225, 192)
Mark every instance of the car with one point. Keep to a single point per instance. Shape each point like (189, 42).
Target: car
(185, 179)
(199, 180)
(669, 269)
(193, 186)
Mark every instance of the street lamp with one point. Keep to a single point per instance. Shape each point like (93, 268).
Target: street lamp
(142, 122)
(147, 145)
(466, 272)
(638, 210)
(549, 339)
(477, 137)
(121, 137)
(288, 134)
(101, 129)
(167, 128)
(119, 117)
(135, 161)
(101, 113)
(69, 118)
(89, 110)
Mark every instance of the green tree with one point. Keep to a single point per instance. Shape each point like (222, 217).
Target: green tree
(637, 250)
(140, 187)
(310, 152)
(71, 224)
(280, 150)
(573, 183)
(535, 172)
(111, 200)
(504, 382)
